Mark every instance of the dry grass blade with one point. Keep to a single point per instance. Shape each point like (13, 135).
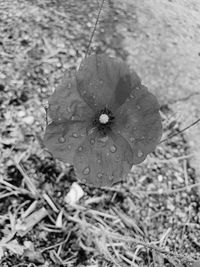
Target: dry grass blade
(129, 222)
(25, 225)
(50, 202)
(13, 190)
(181, 131)
(31, 186)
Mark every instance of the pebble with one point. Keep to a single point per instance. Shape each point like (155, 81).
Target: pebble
(160, 178)
(29, 120)
(21, 113)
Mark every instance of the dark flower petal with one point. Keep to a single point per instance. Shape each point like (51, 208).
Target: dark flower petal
(63, 138)
(103, 161)
(103, 81)
(138, 120)
(67, 104)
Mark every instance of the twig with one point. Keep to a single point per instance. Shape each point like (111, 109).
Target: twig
(172, 191)
(181, 131)
(95, 26)
(152, 160)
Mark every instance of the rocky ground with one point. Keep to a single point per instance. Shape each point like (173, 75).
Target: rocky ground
(153, 218)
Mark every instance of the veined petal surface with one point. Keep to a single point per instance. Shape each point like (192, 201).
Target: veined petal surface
(105, 82)
(103, 161)
(139, 122)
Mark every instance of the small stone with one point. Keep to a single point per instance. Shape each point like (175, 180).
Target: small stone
(160, 178)
(28, 244)
(72, 52)
(29, 120)
(75, 193)
(21, 113)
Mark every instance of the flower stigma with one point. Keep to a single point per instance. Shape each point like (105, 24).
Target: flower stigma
(103, 118)
(103, 121)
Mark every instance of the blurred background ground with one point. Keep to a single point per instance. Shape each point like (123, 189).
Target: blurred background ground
(153, 218)
(162, 41)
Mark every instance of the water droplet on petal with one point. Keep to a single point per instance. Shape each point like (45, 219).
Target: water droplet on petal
(92, 141)
(99, 175)
(61, 139)
(75, 135)
(80, 148)
(113, 149)
(86, 171)
(99, 161)
(140, 154)
(132, 139)
(107, 154)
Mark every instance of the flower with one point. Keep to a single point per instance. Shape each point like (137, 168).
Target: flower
(103, 121)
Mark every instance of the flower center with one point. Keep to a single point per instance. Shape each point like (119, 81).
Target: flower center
(103, 121)
(103, 118)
